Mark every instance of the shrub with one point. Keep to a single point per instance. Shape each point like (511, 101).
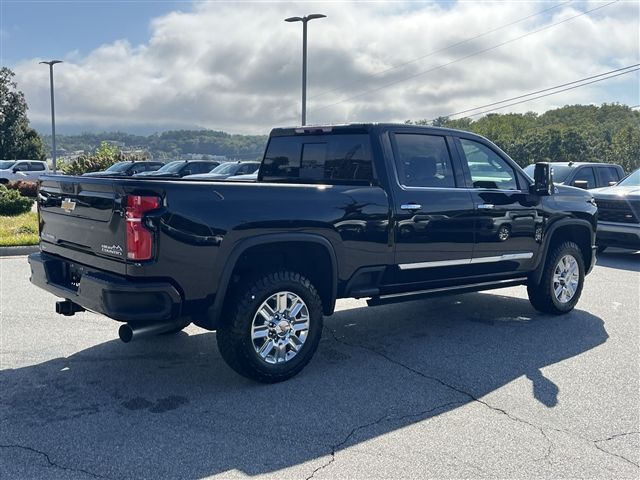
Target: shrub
(12, 203)
(104, 156)
(26, 189)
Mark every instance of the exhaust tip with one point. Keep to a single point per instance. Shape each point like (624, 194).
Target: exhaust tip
(126, 333)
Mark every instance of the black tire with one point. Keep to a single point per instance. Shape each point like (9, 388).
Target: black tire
(234, 336)
(601, 248)
(542, 295)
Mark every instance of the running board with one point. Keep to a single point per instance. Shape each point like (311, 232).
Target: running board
(432, 292)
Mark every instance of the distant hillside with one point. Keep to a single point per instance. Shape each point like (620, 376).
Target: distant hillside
(585, 133)
(169, 144)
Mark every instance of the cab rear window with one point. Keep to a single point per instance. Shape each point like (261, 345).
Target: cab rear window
(336, 158)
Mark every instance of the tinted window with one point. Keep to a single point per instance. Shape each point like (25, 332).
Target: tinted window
(203, 167)
(337, 158)
(487, 168)
(607, 175)
(585, 174)
(423, 161)
(137, 168)
(21, 166)
(37, 166)
(247, 168)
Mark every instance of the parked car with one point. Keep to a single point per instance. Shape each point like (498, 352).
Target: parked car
(584, 175)
(251, 177)
(229, 169)
(181, 168)
(126, 169)
(25, 170)
(619, 214)
(262, 262)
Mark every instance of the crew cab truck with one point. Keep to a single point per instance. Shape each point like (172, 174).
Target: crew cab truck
(379, 211)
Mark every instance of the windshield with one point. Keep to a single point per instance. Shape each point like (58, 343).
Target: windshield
(119, 167)
(560, 172)
(226, 168)
(6, 164)
(633, 180)
(172, 167)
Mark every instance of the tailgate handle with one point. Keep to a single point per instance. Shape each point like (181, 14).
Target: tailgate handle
(411, 206)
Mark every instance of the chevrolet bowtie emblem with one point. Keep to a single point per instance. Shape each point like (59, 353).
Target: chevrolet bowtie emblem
(68, 205)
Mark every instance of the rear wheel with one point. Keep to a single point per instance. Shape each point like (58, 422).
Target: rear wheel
(561, 283)
(273, 327)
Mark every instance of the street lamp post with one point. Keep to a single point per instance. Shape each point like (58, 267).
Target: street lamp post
(304, 21)
(53, 111)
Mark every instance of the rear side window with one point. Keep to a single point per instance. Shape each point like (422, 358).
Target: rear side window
(423, 161)
(337, 158)
(36, 166)
(606, 175)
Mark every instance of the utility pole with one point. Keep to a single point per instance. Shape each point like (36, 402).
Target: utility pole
(304, 21)
(53, 111)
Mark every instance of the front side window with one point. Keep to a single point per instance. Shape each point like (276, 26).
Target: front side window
(21, 167)
(423, 161)
(487, 168)
(586, 175)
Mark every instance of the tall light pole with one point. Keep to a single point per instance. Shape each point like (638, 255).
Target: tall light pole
(53, 111)
(304, 21)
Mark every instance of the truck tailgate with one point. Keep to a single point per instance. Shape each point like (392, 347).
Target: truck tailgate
(82, 218)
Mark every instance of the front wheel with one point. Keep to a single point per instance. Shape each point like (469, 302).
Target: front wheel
(561, 283)
(273, 327)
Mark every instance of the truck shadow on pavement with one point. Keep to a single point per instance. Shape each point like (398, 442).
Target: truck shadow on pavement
(168, 407)
(620, 259)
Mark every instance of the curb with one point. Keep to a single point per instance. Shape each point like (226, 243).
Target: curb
(16, 251)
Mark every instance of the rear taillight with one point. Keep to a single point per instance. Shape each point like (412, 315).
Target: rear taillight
(139, 239)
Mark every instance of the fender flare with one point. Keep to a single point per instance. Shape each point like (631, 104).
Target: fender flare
(223, 284)
(536, 275)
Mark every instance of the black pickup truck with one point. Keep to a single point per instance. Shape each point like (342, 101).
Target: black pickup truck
(379, 211)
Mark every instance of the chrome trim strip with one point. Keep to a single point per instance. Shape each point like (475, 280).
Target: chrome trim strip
(456, 287)
(467, 261)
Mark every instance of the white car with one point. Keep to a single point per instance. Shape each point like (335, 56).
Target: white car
(25, 170)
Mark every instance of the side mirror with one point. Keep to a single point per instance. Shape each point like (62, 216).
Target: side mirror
(543, 179)
(612, 183)
(583, 184)
(15, 169)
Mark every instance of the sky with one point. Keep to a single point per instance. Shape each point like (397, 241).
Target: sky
(147, 66)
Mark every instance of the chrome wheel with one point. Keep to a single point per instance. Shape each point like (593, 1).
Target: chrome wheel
(280, 327)
(565, 278)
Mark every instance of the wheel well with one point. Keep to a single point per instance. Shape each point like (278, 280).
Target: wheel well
(578, 234)
(309, 259)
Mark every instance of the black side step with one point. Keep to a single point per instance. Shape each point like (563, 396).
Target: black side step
(433, 292)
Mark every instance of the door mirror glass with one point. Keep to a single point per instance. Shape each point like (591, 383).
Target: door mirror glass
(543, 179)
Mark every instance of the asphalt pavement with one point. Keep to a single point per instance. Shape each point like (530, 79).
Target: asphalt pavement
(470, 386)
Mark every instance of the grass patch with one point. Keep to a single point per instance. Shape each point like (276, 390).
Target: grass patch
(19, 230)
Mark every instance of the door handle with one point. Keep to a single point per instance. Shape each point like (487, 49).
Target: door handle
(485, 206)
(411, 206)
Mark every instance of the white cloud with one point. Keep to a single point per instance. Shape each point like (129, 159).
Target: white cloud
(237, 66)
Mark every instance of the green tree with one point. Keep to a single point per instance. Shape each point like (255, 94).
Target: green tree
(625, 148)
(17, 139)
